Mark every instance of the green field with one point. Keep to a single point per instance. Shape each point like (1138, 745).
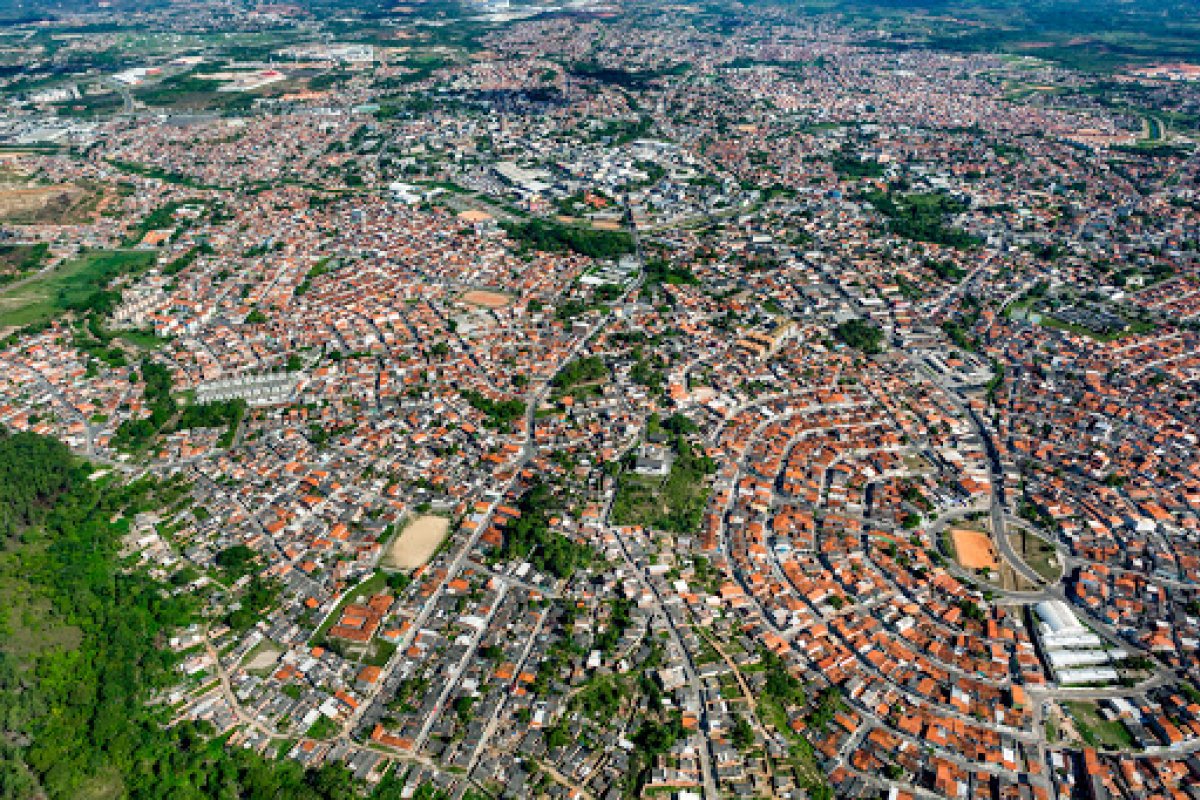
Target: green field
(1103, 36)
(143, 340)
(190, 92)
(93, 104)
(194, 92)
(70, 286)
(1038, 554)
(1095, 730)
(18, 260)
(674, 503)
(1135, 327)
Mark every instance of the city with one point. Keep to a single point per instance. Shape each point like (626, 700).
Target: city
(600, 401)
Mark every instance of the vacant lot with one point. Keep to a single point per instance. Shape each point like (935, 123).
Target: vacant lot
(1094, 730)
(17, 260)
(1038, 554)
(192, 92)
(62, 204)
(417, 543)
(675, 503)
(67, 286)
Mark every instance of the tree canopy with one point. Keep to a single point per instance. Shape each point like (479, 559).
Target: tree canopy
(554, 237)
(74, 718)
(861, 334)
(531, 538)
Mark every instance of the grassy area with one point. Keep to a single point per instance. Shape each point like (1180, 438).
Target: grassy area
(580, 379)
(553, 237)
(193, 93)
(800, 753)
(916, 463)
(708, 653)
(1094, 729)
(106, 784)
(730, 690)
(947, 544)
(773, 714)
(266, 650)
(380, 653)
(323, 728)
(92, 104)
(675, 503)
(17, 260)
(1048, 321)
(28, 627)
(923, 217)
(1038, 554)
(144, 340)
(70, 286)
(1021, 91)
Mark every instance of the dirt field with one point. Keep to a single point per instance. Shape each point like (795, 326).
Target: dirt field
(975, 550)
(264, 656)
(487, 299)
(52, 205)
(417, 543)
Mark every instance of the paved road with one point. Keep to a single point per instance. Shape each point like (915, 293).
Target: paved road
(707, 757)
(528, 451)
(457, 671)
(996, 506)
(490, 727)
(126, 96)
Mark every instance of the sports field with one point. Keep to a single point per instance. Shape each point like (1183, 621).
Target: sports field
(417, 543)
(487, 299)
(975, 549)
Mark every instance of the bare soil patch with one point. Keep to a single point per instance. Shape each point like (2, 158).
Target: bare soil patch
(264, 656)
(975, 550)
(417, 543)
(45, 205)
(487, 299)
